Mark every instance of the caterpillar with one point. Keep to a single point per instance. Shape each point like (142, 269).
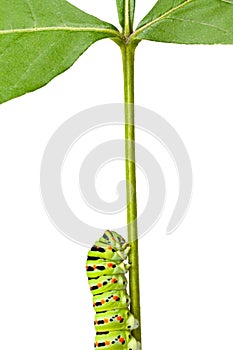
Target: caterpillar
(106, 277)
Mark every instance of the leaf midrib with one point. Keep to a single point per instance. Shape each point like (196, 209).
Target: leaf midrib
(68, 29)
(163, 16)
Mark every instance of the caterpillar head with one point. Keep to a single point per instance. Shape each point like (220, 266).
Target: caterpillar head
(113, 239)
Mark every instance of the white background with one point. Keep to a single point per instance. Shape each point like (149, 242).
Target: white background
(186, 278)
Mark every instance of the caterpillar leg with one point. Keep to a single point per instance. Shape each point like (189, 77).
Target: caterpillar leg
(127, 267)
(133, 344)
(124, 253)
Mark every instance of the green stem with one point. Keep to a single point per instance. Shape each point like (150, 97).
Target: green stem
(127, 22)
(128, 51)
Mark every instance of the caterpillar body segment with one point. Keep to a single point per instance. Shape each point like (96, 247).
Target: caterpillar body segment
(104, 284)
(106, 277)
(116, 340)
(111, 300)
(102, 250)
(117, 319)
(96, 268)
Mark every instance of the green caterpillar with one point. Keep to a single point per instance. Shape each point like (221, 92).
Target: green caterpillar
(106, 277)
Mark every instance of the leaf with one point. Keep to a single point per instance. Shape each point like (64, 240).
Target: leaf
(188, 22)
(121, 11)
(40, 39)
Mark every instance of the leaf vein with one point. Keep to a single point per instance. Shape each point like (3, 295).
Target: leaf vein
(59, 13)
(31, 12)
(9, 46)
(228, 1)
(197, 22)
(163, 16)
(32, 65)
(68, 29)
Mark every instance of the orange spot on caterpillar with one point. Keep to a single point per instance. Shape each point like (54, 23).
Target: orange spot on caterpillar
(94, 267)
(105, 320)
(110, 264)
(115, 297)
(107, 342)
(102, 301)
(110, 248)
(119, 318)
(121, 340)
(99, 285)
(114, 280)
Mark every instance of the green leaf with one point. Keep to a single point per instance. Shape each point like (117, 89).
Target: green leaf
(40, 39)
(188, 22)
(121, 11)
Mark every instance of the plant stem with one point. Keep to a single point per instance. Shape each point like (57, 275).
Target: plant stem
(128, 51)
(127, 22)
